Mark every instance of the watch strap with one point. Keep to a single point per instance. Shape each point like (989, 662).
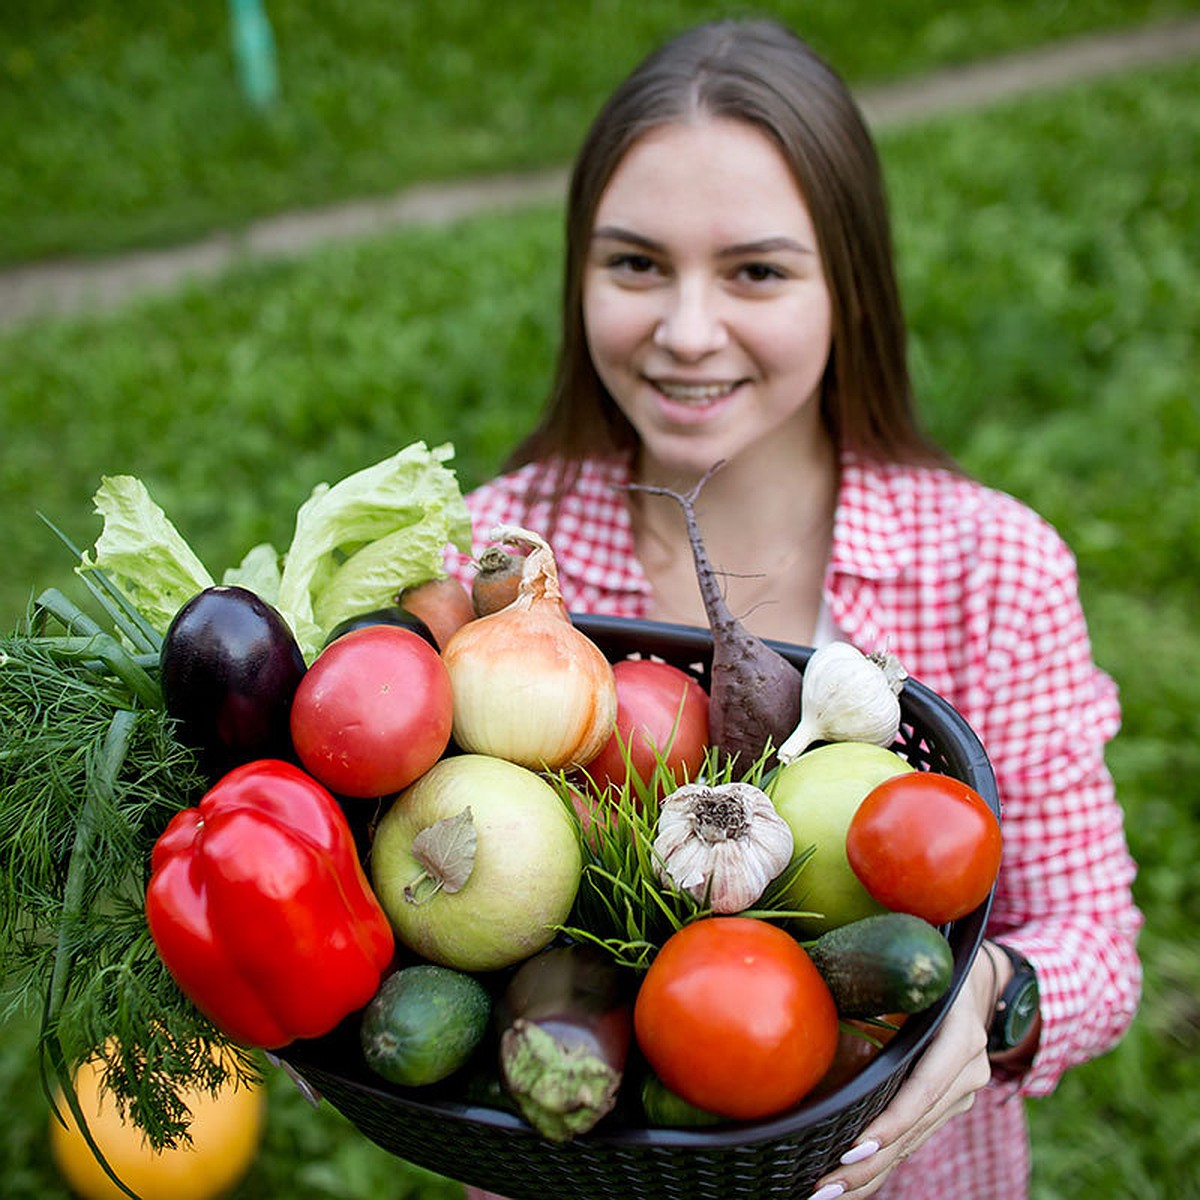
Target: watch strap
(1013, 1002)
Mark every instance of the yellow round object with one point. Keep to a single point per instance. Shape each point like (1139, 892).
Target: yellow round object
(225, 1131)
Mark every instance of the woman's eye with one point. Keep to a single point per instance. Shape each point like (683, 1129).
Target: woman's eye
(635, 264)
(759, 272)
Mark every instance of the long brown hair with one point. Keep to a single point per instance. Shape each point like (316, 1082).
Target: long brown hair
(761, 73)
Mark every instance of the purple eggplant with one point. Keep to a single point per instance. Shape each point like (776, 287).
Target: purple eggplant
(229, 668)
(391, 615)
(566, 1021)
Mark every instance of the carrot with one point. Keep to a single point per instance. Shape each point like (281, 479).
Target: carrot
(443, 604)
(754, 697)
(497, 580)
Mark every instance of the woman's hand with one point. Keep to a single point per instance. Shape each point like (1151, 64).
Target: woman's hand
(943, 1084)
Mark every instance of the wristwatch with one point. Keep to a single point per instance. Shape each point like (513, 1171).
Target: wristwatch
(1017, 1007)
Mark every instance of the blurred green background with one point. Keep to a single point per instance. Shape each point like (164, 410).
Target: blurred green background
(1048, 254)
(123, 124)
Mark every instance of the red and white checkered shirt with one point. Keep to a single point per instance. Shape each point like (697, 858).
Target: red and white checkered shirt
(977, 596)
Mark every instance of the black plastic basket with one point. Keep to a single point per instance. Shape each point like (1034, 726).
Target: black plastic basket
(783, 1156)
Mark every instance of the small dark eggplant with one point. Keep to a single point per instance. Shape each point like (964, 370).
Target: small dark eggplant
(392, 615)
(229, 669)
(566, 1021)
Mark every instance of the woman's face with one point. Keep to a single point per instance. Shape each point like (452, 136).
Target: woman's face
(704, 300)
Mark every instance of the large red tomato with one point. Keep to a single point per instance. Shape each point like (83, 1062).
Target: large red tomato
(659, 707)
(925, 844)
(733, 1016)
(373, 712)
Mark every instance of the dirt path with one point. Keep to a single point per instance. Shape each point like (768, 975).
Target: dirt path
(67, 286)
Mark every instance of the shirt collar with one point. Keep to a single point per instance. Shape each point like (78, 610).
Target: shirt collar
(871, 527)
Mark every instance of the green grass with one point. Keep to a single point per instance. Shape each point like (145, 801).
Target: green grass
(123, 122)
(232, 402)
(1045, 252)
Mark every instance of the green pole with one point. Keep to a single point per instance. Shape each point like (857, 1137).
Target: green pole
(254, 51)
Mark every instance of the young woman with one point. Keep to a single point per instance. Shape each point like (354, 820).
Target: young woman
(730, 298)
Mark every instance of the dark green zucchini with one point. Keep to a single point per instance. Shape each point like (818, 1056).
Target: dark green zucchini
(890, 963)
(391, 615)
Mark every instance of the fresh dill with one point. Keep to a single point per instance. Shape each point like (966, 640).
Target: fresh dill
(90, 774)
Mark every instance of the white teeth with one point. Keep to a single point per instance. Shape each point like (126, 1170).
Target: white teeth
(694, 393)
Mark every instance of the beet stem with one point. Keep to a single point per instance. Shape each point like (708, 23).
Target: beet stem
(755, 695)
(719, 614)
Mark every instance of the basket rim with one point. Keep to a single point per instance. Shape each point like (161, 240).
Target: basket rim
(920, 705)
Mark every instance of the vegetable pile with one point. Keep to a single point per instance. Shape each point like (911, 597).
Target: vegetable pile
(340, 790)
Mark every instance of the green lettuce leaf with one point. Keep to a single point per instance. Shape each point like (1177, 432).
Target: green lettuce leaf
(356, 545)
(143, 552)
(258, 572)
(371, 535)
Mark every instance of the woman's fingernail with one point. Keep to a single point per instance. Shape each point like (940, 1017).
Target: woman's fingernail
(857, 1153)
(831, 1191)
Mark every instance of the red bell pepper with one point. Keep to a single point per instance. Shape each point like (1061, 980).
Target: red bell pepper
(261, 911)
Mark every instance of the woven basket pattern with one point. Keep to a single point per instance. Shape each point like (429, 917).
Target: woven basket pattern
(779, 1157)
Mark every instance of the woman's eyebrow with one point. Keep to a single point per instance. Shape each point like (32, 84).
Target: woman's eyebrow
(614, 233)
(767, 245)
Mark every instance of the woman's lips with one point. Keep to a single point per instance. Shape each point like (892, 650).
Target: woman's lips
(683, 404)
(695, 393)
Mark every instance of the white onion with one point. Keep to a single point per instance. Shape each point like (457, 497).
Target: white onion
(528, 686)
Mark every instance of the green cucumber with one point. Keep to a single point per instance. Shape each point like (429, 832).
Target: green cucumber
(424, 1023)
(890, 963)
(665, 1108)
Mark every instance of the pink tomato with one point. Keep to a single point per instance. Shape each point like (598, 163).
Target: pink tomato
(661, 711)
(373, 712)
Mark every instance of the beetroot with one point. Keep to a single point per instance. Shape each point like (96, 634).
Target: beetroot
(754, 698)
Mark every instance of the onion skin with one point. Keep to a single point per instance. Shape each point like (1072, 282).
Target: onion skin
(501, 693)
(528, 686)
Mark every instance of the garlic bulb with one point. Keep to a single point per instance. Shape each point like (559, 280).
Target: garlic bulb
(847, 696)
(725, 840)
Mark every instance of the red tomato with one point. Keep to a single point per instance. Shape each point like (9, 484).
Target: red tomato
(733, 1016)
(373, 712)
(658, 706)
(925, 844)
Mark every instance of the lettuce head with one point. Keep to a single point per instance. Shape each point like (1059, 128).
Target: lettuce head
(357, 544)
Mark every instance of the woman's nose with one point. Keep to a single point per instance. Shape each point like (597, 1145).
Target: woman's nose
(692, 325)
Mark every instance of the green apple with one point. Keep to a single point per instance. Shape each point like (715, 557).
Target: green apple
(476, 863)
(817, 795)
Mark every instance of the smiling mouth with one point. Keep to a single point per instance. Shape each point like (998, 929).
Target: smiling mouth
(695, 393)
